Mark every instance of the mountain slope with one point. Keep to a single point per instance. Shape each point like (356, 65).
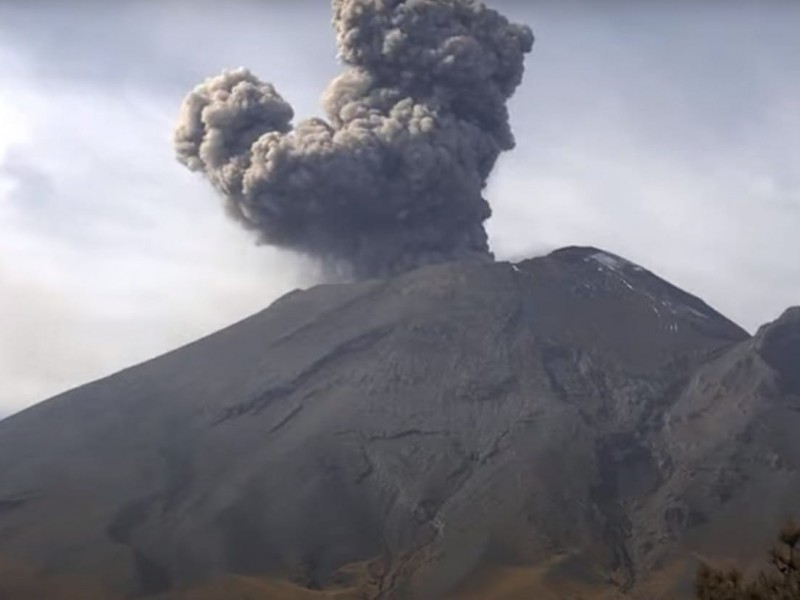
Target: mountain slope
(402, 438)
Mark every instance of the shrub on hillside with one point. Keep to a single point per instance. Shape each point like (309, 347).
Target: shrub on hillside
(780, 582)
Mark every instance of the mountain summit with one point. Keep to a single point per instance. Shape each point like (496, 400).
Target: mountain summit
(571, 424)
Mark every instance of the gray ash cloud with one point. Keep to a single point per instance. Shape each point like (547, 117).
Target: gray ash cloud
(393, 177)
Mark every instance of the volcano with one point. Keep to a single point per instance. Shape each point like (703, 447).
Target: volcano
(571, 426)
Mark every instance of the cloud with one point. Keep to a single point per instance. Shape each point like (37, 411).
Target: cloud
(99, 266)
(666, 133)
(83, 299)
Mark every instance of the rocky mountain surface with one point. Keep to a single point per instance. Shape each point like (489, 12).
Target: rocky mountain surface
(570, 426)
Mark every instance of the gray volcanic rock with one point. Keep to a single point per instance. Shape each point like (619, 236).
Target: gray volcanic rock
(779, 346)
(458, 415)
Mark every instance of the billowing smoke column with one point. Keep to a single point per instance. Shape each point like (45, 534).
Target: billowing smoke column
(393, 179)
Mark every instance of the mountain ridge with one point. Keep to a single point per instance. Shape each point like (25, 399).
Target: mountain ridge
(419, 426)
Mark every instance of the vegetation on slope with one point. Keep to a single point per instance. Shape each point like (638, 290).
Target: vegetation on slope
(781, 582)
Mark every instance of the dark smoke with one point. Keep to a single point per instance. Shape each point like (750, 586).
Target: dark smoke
(393, 178)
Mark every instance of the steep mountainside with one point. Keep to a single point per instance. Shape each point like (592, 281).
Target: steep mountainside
(571, 422)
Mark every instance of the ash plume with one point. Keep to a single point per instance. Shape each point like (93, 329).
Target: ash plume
(393, 178)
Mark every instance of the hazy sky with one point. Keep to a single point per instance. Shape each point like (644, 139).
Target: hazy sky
(668, 132)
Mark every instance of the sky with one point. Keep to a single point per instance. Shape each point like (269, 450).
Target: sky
(666, 132)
